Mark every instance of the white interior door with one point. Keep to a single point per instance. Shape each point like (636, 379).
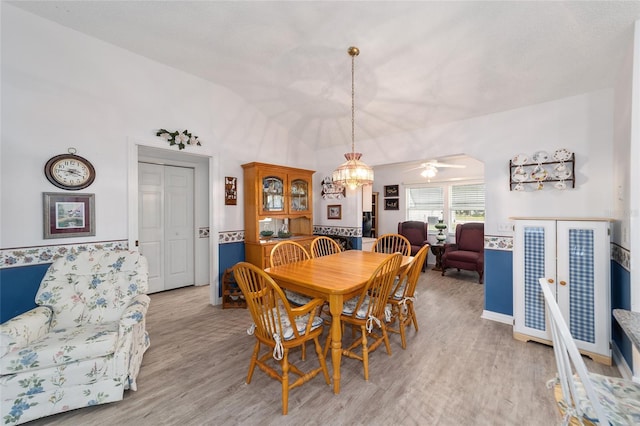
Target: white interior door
(166, 224)
(179, 227)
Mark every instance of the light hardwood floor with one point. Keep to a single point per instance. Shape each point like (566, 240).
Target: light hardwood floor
(457, 370)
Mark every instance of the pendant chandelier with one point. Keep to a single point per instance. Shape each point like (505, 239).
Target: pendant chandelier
(353, 173)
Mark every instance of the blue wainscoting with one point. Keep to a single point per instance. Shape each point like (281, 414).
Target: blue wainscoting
(228, 255)
(18, 288)
(621, 299)
(498, 281)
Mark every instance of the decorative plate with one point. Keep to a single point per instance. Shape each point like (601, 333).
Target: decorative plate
(519, 174)
(519, 159)
(561, 172)
(539, 173)
(540, 157)
(560, 185)
(562, 154)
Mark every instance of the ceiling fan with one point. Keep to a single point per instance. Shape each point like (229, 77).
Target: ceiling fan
(430, 168)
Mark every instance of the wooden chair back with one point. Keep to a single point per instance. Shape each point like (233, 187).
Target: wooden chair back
(412, 274)
(265, 300)
(378, 288)
(286, 252)
(392, 243)
(324, 246)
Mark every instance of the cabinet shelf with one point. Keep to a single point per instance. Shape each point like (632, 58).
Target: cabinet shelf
(549, 166)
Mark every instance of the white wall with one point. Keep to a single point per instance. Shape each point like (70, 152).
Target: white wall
(582, 124)
(63, 89)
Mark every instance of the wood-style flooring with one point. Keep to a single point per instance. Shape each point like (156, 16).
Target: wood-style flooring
(458, 369)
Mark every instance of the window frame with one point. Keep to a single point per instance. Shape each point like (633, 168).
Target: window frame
(447, 213)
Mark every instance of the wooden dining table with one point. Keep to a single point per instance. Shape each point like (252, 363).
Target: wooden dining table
(334, 278)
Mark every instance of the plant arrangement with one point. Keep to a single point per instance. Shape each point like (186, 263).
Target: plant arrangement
(180, 138)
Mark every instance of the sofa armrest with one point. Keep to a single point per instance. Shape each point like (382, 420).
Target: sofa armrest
(24, 328)
(134, 313)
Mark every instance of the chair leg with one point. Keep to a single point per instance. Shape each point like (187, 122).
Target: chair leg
(412, 314)
(365, 353)
(285, 382)
(322, 360)
(403, 338)
(254, 359)
(385, 336)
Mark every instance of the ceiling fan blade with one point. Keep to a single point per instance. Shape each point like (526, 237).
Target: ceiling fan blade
(457, 166)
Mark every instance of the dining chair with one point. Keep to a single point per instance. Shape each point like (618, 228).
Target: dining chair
(403, 296)
(366, 312)
(392, 243)
(584, 397)
(286, 252)
(283, 253)
(323, 246)
(279, 327)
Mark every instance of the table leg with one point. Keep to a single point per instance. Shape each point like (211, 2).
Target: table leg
(335, 307)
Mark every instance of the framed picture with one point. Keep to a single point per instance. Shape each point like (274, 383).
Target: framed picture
(68, 215)
(391, 191)
(334, 211)
(392, 204)
(230, 191)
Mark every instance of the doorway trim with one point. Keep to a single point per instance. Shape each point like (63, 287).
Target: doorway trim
(176, 157)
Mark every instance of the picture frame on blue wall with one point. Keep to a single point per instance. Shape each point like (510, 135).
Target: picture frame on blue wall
(66, 215)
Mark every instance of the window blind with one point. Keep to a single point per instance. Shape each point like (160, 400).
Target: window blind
(467, 197)
(430, 198)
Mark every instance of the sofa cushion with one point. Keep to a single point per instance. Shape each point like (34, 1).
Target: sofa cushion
(61, 347)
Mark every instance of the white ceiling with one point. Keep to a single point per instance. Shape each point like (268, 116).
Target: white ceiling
(421, 63)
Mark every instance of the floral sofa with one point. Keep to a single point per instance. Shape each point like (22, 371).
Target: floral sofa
(83, 344)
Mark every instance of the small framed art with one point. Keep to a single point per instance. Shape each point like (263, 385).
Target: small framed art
(68, 215)
(334, 211)
(392, 204)
(391, 191)
(230, 190)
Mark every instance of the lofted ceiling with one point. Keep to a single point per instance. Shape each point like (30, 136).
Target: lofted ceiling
(422, 63)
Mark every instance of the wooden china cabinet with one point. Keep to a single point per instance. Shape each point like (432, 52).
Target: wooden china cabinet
(275, 197)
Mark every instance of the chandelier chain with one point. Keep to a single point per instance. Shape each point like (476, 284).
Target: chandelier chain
(353, 103)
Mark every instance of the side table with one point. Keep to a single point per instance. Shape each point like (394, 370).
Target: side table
(437, 250)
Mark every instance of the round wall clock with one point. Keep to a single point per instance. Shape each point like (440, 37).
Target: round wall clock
(70, 171)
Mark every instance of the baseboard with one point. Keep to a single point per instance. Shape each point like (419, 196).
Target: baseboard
(494, 316)
(621, 363)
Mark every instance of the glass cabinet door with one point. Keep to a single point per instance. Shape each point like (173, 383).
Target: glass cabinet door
(272, 194)
(299, 195)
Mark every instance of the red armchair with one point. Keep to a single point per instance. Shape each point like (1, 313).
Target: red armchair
(416, 233)
(468, 251)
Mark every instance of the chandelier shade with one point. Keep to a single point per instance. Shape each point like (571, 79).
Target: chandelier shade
(353, 173)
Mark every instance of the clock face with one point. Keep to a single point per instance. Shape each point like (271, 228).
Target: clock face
(69, 171)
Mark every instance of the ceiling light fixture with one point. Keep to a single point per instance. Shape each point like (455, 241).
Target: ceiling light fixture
(353, 173)
(429, 171)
